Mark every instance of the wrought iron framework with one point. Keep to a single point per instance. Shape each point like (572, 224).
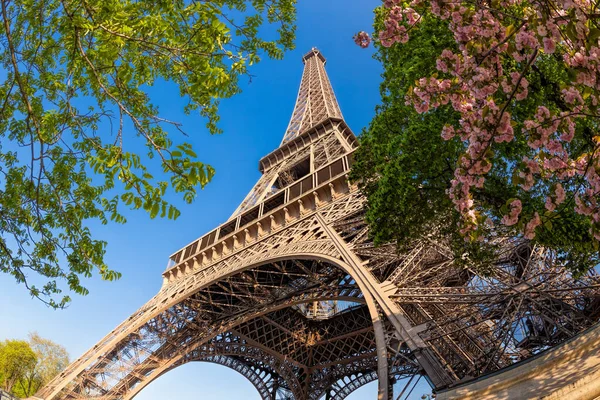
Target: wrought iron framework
(292, 293)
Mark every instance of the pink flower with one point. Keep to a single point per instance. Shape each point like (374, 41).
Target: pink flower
(579, 59)
(456, 17)
(525, 39)
(572, 95)
(549, 45)
(504, 129)
(441, 65)
(532, 165)
(550, 206)
(529, 181)
(554, 147)
(362, 39)
(581, 206)
(396, 13)
(513, 216)
(568, 135)
(448, 132)
(554, 164)
(531, 225)
(559, 192)
(542, 31)
(542, 113)
(411, 16)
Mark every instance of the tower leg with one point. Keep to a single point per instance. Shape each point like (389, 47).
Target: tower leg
(382, 359)
(372, 290)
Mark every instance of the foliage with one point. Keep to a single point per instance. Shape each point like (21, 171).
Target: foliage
(16, 358)
(52, 358)
(489, 125)
(76, 115)
(402, 166)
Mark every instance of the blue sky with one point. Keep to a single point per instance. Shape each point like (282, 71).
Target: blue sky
(253, 124)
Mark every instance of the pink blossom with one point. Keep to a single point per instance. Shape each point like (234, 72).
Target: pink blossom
(554, 147)
(572, 95)
(411, 16)
(393, 32)
(542, 113)
(549, 45)
(576, 60)
(568, 135)
(559, 192)
(456, 17)
(521, 92)
(513, 216)
(550, 206)
(542, 31)
(525, 39)
(554, 164)
(441, 65)
(396, 13)
(531, 225)
(447, 132)
(529, 181)
(362, 39)
(531, 167)
(504, 129)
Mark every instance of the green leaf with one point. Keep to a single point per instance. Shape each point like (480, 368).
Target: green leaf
(509, 30)
(593, 36)
(154, 210)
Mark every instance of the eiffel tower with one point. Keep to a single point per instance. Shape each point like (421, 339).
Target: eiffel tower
(292, 293)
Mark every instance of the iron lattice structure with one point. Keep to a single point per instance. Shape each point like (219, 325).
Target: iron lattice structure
(292, 293)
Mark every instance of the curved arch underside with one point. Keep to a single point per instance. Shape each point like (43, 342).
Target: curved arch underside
(262, 322)
(276, 380)
(253, 376)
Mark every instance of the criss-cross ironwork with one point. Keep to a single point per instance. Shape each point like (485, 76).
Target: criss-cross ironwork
(292, 293)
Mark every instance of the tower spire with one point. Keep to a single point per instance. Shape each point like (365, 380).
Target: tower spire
(316, 100)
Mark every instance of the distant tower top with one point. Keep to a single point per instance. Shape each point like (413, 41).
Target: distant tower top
(316, 101)
(313, 52)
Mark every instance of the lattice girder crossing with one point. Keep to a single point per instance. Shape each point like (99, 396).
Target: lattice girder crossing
(242, 294)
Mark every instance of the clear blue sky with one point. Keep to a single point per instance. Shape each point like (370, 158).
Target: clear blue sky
(253, 124)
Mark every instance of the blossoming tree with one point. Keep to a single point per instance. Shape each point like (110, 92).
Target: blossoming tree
(511, 91)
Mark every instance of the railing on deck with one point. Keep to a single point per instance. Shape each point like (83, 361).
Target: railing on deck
(339, 167)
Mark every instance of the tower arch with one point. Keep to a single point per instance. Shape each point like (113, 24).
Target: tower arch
(179, 328)
(260, 367)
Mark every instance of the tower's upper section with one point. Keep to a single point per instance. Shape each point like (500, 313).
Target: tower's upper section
(308, 170)
(316, 100)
